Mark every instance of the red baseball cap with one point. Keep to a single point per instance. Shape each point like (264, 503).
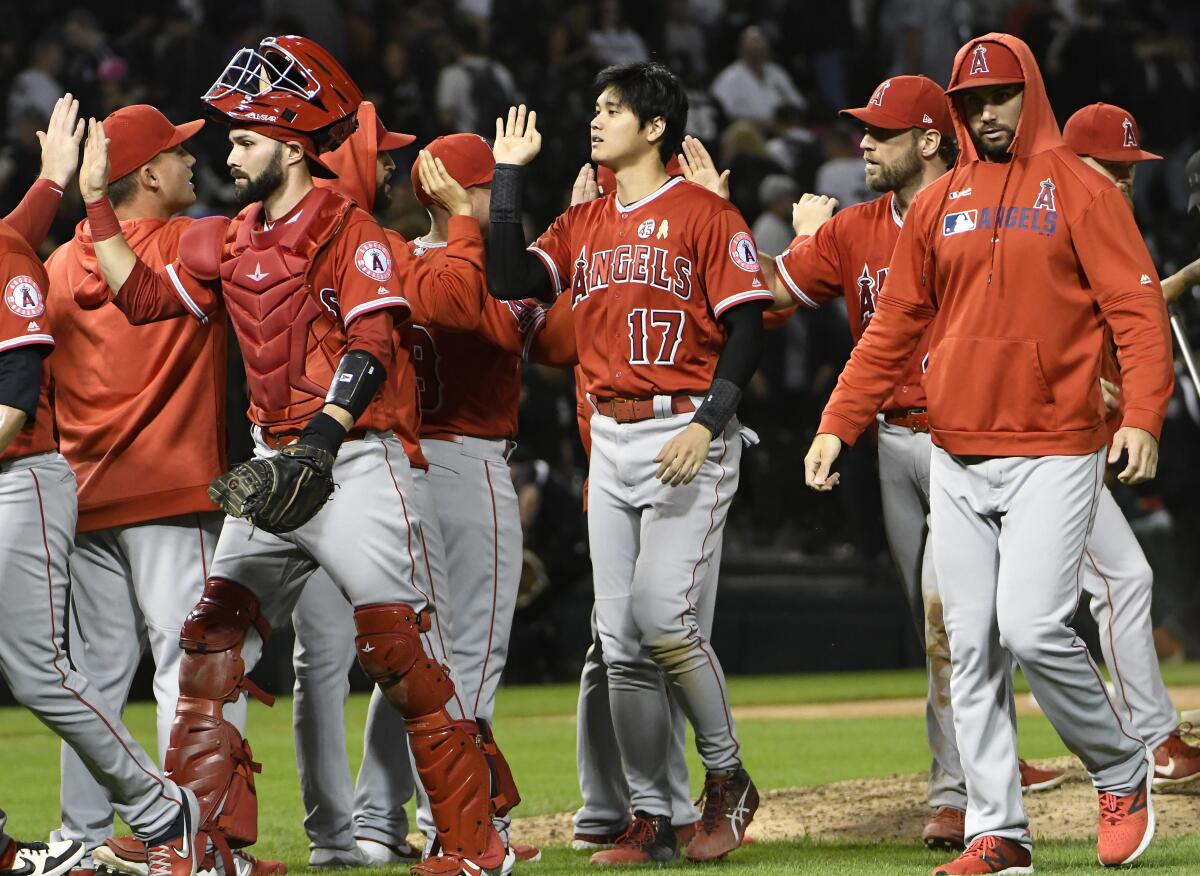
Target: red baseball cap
(386, 141)
(137, 134)
(987, 62)
(1106, 132)
(904, 102)
(467, 157)
(606, 180)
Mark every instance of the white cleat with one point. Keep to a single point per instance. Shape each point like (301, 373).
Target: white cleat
(44, 859)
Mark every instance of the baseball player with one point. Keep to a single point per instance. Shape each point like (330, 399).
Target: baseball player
(908, 143)
(310, 289)
(142, 547)
(1115, 571)
(367, 825)
(1023, 257)
(38, 514)
(664, 282)
(604, 813)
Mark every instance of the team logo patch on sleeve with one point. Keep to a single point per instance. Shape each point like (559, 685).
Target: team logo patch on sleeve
(957, 223)
(24, 298)
(374, 260)
(743, 252)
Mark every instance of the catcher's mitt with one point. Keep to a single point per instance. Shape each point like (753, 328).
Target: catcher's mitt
(279, 493)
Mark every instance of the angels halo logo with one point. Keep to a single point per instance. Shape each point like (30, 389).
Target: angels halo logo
(374, 260)
(24, 298)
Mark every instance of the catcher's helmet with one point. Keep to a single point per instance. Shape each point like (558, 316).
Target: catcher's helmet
(288, 82)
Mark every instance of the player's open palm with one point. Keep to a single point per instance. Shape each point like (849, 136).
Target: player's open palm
(1141, 449)
(811, 212)
(585, 188)
(441, 186)
(683, 455)
(60, 141)
(518, 140)
(698, 167)
(93, 170)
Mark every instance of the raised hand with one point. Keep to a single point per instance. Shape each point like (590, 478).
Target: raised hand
(60, 141)
(93, 173)
(585, 188)
(811, 212)
(698, 167)
(518, 140)
(441, 186)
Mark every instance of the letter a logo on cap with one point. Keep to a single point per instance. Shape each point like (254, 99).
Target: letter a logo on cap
(877, 98)
(979, 61)
(1130, 141)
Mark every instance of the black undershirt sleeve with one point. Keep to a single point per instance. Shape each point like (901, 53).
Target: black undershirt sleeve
(21, 378)
(513, 272)
(743, 347)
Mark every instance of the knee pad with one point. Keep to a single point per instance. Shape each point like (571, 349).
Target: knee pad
(219, 621)
(390, 652)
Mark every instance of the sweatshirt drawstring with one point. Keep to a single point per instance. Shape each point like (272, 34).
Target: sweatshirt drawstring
(998, 218)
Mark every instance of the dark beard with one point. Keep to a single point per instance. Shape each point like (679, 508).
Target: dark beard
(383, 199)
(894, 178)
(259, 187)
(993, 151)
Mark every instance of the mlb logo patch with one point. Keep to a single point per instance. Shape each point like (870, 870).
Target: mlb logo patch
(957, 223)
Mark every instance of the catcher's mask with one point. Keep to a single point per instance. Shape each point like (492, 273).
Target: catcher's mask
(287, 82)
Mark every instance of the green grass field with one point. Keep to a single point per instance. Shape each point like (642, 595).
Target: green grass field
(536, 727)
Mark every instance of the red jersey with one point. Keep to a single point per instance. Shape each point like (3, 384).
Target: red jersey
(470, 382)
(300, 291)
(119, 415)
(849, 256)
(23, 324)
(648, 282)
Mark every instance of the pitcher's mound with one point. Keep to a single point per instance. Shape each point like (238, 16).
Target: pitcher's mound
(894, 809)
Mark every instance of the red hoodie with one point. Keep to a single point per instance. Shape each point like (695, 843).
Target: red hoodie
(140, 410)
(1023, 263)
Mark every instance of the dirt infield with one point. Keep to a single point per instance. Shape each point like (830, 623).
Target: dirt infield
(893, 808)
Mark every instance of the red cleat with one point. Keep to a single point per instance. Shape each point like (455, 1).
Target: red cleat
(1126, 826)
(1034, 779)
(1176, 762)
(945, 830)
(989, 854)
(727, 806)
(650, 839)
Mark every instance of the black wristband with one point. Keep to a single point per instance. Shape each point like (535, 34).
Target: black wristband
(506, 194)
(719, 406)
(323, 431)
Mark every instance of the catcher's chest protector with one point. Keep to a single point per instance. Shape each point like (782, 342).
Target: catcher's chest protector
(291, 335)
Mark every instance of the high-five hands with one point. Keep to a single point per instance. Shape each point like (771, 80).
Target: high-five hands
(518, 140)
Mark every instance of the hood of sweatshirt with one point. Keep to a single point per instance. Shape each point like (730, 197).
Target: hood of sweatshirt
(354, 160)
(1037, 129)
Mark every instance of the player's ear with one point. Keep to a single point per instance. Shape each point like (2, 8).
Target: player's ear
(655, 129)
(929, 143)
(147, 178)
(293, 153)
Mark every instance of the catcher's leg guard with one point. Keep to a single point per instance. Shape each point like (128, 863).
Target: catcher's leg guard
(450, 755)
(206, 753)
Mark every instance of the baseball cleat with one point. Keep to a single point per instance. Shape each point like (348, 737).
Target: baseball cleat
(130, 857)
(40, 859)
(945, 830)
(1175, 761)
(685, 833)
(1034, 779)
(584, 842)
(1126, 825)
(175, 854)
(650, 839)
(320, 858)
(496, 861)
(989, 854)
(525, 854)
(381, 854)
(727, 806)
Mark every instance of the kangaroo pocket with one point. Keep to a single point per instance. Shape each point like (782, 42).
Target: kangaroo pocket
(989, 385)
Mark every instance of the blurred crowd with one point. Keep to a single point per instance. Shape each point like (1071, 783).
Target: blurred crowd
(765, 80)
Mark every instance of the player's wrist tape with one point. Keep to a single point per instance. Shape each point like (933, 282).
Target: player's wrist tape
(719, 406)
(103, 219)
(506, 194)
(358, 378)
(323, 431)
